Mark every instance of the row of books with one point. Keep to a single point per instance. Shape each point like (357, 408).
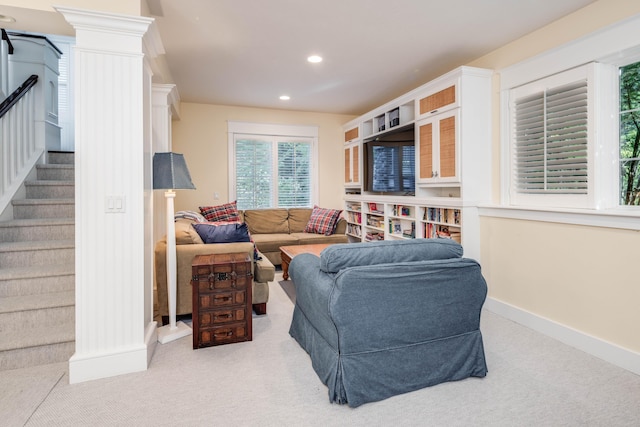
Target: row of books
(354, 230)
(400, 210)
(448, 216)
(373, 207)
(433, 231)
(355, 217)
(402, 228)
(375, 221)
(354, 207)
(373, 236)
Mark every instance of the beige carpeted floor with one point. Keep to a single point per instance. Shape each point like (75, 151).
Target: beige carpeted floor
(533, 381)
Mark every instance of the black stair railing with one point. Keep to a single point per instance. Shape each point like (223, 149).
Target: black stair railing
(6, 38)
(17, 94)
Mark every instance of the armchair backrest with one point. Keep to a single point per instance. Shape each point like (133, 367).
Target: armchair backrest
(340, 256)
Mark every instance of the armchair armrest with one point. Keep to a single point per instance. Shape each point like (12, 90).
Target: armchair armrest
(313, 291)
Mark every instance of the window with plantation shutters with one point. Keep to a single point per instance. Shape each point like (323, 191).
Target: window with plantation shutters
(254, 173)
(552, 151)
(551, 140)
(270, 170)
(294, 174)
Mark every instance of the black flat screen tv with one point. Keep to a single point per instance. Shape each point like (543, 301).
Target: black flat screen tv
(389, 163)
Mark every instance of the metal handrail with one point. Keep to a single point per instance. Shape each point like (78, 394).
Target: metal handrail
(17, 94)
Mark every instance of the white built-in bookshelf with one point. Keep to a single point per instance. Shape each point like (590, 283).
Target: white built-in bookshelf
(451, 116)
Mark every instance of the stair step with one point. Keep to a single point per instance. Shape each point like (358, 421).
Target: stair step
(37, 229)
(24, 254)
(36, 279)
(44, 208)
(50, 189)
(61, 157)
(27, 313)
(40, 346)
(56, 172)
(37, 269)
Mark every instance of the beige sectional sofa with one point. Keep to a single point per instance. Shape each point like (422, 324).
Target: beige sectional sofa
(269, 228)
(272, 228)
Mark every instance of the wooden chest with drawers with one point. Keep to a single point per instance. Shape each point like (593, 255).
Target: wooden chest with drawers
(221, 286)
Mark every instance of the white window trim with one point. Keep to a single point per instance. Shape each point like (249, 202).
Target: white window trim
(615, 45)
(249, 128)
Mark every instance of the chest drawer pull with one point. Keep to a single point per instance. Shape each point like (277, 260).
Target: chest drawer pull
(224, 298)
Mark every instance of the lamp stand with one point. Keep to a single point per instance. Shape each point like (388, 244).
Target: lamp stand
(173, 330)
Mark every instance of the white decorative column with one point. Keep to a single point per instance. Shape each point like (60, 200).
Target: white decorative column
(165, 109)
(114, 332)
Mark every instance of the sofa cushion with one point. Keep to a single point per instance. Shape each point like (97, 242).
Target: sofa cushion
(272, 242)
(224, 212)
(186, 234)
(313, 238)
(223, 233)
(267, 221)
(338, 257)
(298, 219)
(322, 221)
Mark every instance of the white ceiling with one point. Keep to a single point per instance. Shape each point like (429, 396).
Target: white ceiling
(248, 53)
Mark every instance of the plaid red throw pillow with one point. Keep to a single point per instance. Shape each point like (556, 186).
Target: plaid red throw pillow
(226, 212)
(323, 221)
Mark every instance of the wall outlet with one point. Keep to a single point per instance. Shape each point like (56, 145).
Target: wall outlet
(216, 196)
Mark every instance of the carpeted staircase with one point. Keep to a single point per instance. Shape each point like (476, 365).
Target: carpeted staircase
(37, 270)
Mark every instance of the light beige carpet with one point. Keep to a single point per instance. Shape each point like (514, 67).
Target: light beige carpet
(23, 390)
(289, 288)
(533, 380)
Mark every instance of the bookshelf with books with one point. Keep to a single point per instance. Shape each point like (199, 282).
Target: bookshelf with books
(401, 220)
(442, 222)
(395, 218)
(353, 216)
(373, 226)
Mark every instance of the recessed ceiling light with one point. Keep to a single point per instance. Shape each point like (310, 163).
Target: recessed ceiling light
(284, 97)
(314, 59)
(7, 18)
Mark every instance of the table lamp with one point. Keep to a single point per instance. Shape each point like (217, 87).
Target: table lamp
(170, 173)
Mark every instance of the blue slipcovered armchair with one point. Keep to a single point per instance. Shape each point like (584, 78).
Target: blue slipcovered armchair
(384, 318)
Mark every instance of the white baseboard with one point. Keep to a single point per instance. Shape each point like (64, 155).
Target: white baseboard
(87, 367)
(601, 349)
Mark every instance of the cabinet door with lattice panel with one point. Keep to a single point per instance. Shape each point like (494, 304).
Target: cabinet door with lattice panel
(447, 147)
(438, 145)
(438, 101)
(351, 135)
(425, 132)
(352, 164)
(347, 165)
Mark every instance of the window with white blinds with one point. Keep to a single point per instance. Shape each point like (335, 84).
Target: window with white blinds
(551, 140)
(269, 171)
(294, 174)
(254, 173)
(551, 154)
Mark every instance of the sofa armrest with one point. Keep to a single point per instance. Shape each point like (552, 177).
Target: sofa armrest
(313, 290)
(264, 270)
(184, 259)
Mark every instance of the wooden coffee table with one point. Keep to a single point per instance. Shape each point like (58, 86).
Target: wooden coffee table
(288, 252)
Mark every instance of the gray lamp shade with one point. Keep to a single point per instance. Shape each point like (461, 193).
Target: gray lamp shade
(170, 172)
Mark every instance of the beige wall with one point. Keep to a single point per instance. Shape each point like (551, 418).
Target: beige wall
(201, 135)
(582, 277)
